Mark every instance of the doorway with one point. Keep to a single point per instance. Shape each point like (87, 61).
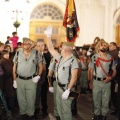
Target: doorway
(41, 17)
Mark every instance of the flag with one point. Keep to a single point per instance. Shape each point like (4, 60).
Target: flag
(70, 21)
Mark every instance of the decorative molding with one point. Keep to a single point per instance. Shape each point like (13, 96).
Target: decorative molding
(46, 10)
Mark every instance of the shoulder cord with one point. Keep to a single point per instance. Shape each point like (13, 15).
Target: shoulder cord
(107, 74)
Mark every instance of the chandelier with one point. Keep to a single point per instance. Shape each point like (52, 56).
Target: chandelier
(17, 9)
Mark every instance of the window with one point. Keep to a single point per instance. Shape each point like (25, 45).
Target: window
(54, 41)
(40, 40)
(46, 10)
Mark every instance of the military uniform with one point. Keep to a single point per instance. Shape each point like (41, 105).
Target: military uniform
(39, 84)
(26, 88)
(84, 74)
(101, 90)
(63, 77)
(52, 67)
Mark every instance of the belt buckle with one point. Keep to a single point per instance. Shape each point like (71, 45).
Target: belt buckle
(101, 79)
(26, 78)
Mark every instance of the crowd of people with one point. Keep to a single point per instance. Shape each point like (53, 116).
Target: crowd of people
(28, 70)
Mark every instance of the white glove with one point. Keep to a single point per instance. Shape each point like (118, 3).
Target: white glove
(88, 53)
(80, 49)
(14, 84)
(48, 31)
(51, 89)
(65, 94)
(36, 79)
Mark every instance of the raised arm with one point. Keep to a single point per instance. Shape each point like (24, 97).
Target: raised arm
(51, 49)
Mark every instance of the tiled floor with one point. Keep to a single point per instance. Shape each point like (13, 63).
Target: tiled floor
(84, 109)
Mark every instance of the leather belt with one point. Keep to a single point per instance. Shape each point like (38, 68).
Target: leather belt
(61, 85)
(26, 78)
(84, 70)
(98, 79)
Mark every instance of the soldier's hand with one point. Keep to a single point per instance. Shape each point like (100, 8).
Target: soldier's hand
(48, 31)
(51, 89)
(108, 79)
(65, 94)
(91, 85)
(36, 79)
(15, 84)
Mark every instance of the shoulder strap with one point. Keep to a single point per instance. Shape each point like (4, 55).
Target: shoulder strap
(57, 68)
(95, 64)
(70, 69)
(36, 62)
(17, 60)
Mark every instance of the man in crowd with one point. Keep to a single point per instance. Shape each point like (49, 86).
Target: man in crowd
(113, 49)
(42, 86)
(67, 71)
(101, 65)
(8, 40)
(27, 71)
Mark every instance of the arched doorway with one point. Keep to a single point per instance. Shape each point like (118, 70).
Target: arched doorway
(42, 16)
(117, 26)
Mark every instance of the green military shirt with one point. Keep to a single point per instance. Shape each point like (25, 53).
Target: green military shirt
(53, 65)
(84, 64)
(63, 68)
(27, 67)
(106, 66)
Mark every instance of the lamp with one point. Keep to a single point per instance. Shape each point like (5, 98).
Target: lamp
(16, 24)
(17, 6)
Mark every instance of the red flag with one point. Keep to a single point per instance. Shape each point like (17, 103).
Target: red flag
(70, 21)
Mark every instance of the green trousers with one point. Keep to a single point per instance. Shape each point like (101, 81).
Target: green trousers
(84, 79)
(55, 103)
(101, 97)
(26, 94)
(63, 106)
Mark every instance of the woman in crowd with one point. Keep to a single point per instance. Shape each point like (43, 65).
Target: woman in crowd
(7, 79)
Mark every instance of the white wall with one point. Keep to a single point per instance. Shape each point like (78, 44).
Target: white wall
(95, 18)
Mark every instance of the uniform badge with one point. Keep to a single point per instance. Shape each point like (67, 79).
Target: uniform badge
(63, 68)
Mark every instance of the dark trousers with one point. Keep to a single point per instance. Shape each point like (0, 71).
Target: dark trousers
(10, 102)
(74, 104)
(118, 100)
(38, 94)
(44, 91)
(113, 94)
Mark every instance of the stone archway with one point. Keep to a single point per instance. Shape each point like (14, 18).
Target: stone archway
(43, 15)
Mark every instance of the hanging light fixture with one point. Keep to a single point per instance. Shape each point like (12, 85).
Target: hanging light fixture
(17, 7)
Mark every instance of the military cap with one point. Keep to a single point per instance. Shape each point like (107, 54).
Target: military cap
(69, 44)
(25, 39)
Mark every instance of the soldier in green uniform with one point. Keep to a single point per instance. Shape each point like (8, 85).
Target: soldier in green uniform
(39, 91)
(67, 71)
(27, 70)
(53, 84)
(101, 66)
(84, 73)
